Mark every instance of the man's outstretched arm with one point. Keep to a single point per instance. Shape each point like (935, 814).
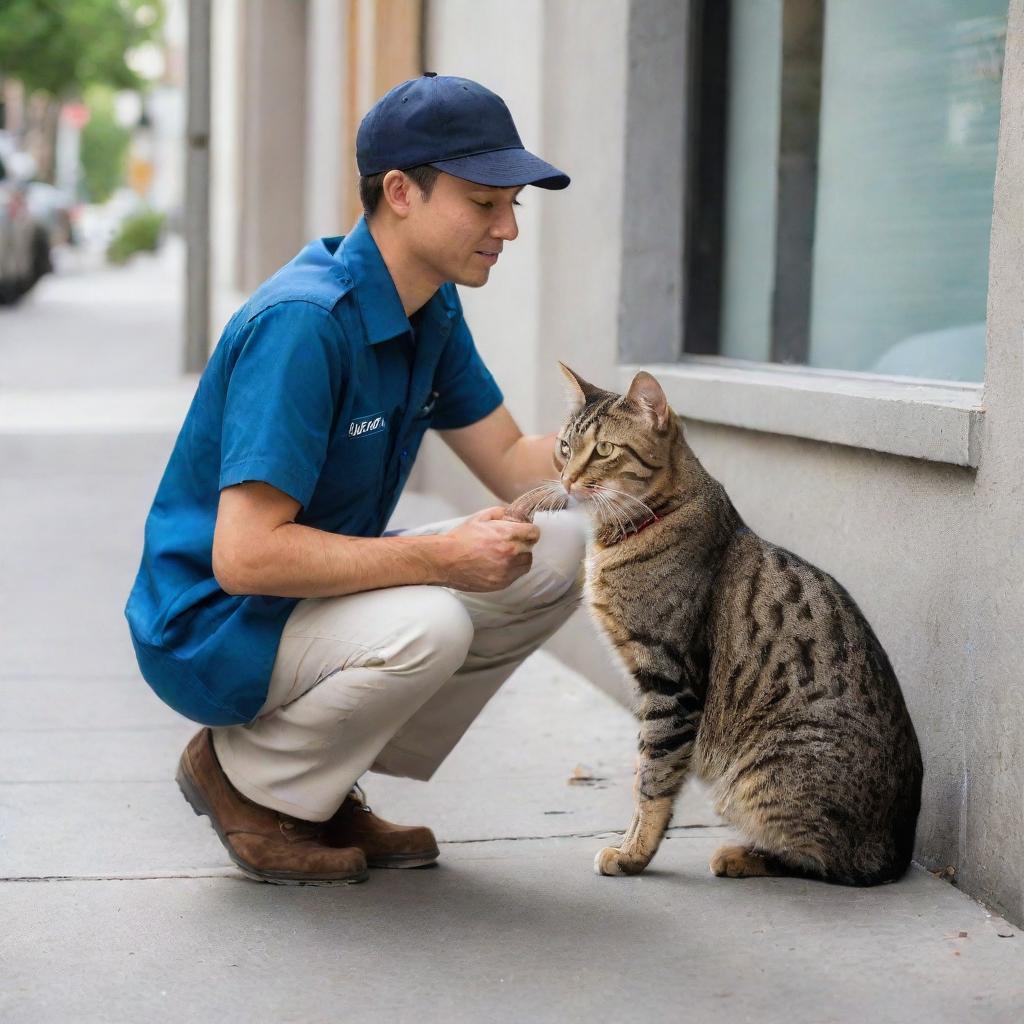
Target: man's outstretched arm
(259, 548)
(503, 458)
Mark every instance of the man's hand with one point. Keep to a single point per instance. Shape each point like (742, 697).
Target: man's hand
(488, 552)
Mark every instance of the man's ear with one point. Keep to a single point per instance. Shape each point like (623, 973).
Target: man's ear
(396, 188)
(646, 393)
(578, 391)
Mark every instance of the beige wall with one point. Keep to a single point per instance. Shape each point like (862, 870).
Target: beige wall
(273, 137)
(290, 80)
(504, 313)
(561, 70)
(329, 170)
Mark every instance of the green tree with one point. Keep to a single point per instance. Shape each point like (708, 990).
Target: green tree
(62, 46)
(104, 146)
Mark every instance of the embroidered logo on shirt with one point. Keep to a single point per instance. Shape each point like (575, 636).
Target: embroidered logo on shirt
(365, 425)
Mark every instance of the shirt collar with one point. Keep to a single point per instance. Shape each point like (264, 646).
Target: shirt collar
(379, 304)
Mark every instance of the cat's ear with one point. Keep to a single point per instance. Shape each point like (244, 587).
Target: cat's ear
(578, 391)
(646, 393)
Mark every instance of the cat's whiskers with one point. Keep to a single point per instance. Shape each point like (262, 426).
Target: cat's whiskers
(615, 500)
(605, 502)
(607, 513)
(629, 497)
(615, 508)
(545, 498)
(637, 512)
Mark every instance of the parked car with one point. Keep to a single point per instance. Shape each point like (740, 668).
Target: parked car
(24, 243)
(53, 208)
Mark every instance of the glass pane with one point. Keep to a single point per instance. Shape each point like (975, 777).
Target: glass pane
(752, 145)
(909, 119)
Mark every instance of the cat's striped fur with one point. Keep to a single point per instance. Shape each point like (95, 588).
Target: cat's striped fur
(752, 667)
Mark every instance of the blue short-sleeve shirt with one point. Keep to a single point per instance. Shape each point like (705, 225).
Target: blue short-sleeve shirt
(322, 387)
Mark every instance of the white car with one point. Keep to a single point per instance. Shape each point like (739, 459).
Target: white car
(24, 243)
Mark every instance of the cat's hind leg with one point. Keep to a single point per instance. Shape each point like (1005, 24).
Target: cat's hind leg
(745, 862)
(784, 834)
(668, 730)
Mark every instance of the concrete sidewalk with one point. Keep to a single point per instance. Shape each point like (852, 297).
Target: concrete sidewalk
(118, 904)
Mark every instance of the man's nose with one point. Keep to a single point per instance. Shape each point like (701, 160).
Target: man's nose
(506, 227)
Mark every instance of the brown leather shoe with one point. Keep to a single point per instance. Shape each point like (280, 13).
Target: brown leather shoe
(385, 844)
(267, 845)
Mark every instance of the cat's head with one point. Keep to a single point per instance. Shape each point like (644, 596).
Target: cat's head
(619, 455)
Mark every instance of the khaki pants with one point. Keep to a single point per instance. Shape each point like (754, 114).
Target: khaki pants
(389, 680)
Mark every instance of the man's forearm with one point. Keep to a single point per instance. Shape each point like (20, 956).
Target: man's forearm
(528, 463)
(300, 561)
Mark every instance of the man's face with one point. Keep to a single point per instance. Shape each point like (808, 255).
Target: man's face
(459, 233)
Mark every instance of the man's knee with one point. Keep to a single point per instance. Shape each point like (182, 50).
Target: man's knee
(440, 631)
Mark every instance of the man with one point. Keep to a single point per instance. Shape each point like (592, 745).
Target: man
(268, 606)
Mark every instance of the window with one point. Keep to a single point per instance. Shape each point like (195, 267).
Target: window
(841, 183)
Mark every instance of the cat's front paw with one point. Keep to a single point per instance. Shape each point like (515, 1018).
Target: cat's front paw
(615, 861)
(607, 861)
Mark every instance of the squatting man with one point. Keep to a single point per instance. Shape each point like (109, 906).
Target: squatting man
(270, 606)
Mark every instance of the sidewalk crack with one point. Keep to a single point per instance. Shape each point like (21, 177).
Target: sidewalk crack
(567, 835)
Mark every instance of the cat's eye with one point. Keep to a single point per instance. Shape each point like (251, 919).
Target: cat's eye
(605, 448)
(563, 447)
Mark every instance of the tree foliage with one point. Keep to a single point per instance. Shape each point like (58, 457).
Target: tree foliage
(62, 46)
(104, 147)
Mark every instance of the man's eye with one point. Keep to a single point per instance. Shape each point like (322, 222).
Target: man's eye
(486, 206)
(515, 202)
(604, 449)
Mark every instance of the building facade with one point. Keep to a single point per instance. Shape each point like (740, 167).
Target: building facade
(805, 221)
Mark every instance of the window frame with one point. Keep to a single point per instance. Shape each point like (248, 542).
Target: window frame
(933, 420)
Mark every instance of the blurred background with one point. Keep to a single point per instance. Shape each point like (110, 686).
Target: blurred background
(91, 193)
(839, 169)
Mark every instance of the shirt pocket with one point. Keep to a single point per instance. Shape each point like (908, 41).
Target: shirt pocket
(357, 463)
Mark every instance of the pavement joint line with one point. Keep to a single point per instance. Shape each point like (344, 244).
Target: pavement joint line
(570, 835)
(37, 677)
(85, 782)
(169, 779)
(92, 728)
(231, 873)
(129, 877)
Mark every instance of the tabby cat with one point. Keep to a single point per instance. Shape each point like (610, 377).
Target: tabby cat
(752, 667)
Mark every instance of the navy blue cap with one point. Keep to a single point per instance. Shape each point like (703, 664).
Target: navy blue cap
(453, 124)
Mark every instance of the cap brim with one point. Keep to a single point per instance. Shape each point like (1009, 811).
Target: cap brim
(505, 168)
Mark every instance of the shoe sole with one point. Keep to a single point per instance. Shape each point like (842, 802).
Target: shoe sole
(407, 861)
(199, 806)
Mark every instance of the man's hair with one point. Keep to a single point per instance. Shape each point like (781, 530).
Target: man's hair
(371, 186)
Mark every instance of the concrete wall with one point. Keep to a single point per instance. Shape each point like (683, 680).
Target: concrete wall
(991, 834)
(561, 70)
(931, 552)
(226, 109)
(273, 136)
(505, 314)
(329, 168)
